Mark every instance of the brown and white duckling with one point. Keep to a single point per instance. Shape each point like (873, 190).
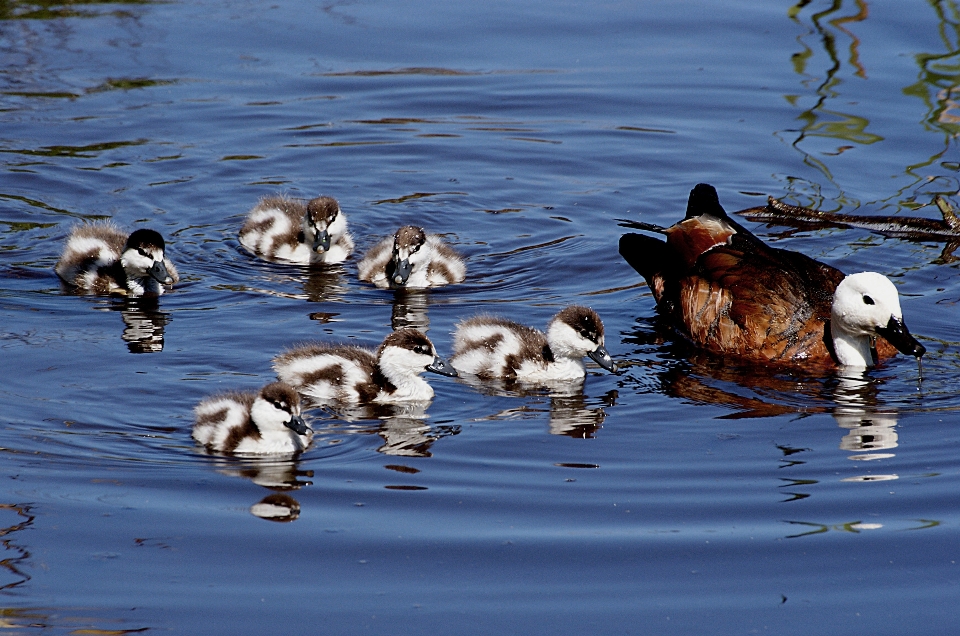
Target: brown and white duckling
(411, 258)
(350, 374)
(101, 259)
(729, 293)
(262, 423)
(293, 231)
(491, 347)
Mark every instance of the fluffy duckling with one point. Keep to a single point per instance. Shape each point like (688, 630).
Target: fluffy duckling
(101, 259)
(491, 347)
(342, 373)
(289, 230)
(729, 293)
(267, 422)
(411, 258)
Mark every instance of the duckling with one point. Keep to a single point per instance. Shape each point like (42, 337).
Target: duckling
(289, 230)
(491, 347)
(262, 423)
(101, 259)
(343, 373)
(729, 293)
(411, 258)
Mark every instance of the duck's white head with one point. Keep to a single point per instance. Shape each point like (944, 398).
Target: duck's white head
(867, 305)
(143, 256)
(407, 353)
(576, 332)
(276, 408)
(325, 221)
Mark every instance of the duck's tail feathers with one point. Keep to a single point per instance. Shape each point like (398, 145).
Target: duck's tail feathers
(704, 200)
(646, 254)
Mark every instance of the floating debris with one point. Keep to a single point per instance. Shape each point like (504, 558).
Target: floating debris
(910, 228)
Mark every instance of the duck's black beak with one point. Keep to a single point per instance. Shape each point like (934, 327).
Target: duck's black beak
(401, 272)
(897, 334)
(441, 367)
(159, 272)
(297, 425)
(321, 243)
(601, 357)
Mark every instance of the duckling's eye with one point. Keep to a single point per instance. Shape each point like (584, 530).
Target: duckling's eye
(415, 248)
(868, 301)
(142, 252)
(422, 350)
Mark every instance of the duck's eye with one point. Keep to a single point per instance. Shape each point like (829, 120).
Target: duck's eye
(868, 301)
(421, 350)
(142, 252)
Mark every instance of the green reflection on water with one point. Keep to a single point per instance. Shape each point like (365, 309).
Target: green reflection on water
(54, 9)
(938, 86)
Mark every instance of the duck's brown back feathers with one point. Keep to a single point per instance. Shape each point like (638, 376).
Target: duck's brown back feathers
(730, 293)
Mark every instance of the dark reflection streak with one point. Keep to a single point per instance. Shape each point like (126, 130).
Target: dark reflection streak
(12, 563)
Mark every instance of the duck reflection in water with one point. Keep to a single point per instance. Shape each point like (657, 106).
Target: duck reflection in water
(852, 396)
(571, 412)
(872, 428)
(143, 321)
(410, 309)
(324, 284)
(404, 428)
(279, 475)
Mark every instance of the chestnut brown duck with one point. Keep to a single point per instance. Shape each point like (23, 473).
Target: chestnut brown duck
(732, 294)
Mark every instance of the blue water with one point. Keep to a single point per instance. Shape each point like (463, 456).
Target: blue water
(684, 495)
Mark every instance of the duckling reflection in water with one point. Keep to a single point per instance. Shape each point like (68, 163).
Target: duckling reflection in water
(411, 258)
(101, 259)
(349, 374)
(262, 423)
(291, 231)
(492, 347)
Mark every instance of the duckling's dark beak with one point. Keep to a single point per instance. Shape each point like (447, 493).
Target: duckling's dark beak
(601, 357)
(297, 425)
(441, 367)
(321, 243)
(401, 272)
(159, 272)
(897, 334)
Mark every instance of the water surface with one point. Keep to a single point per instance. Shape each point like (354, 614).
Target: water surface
(683, 495)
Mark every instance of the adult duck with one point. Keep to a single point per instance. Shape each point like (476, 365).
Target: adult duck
(731, 294)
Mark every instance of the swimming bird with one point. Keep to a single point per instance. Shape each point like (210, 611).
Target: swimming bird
(293, 231)
(411, 258)
(101, 259)
(262, 423)
(491, 347)
(729, 293)
(350, 374)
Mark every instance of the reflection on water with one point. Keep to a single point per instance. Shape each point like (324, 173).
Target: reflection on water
(16, 556)
(404, 428)
(324, 284)
(278, 507)
(144, 322)
(410, 309)
(938, 86)
(281, 475)
(872, 427)
(570, 410)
